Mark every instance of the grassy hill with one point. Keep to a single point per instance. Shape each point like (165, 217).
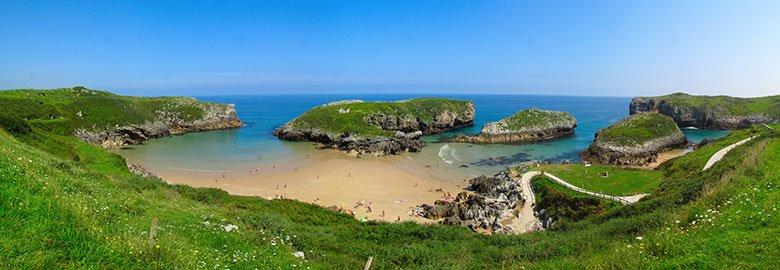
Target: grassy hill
(67, 204)
(65, 109)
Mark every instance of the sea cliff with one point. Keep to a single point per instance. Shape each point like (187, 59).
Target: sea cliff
(711, 112)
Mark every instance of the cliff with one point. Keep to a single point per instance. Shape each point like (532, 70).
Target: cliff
(711, 112)
(525, 126)
(110, 120)
(636, 140)
(377, 128)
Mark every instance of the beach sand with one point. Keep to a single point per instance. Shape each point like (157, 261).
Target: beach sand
(392, 185)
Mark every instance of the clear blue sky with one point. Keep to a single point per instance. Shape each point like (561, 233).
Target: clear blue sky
(615, 48)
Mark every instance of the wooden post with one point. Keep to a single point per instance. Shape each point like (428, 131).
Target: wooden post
(368, 263)
(153, 233)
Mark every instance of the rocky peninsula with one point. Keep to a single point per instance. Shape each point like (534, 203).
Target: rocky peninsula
(711, 112)
(114, 121)
(377, 128)
(525, 126)
(166, 122)
(636, 140)
(487, 202)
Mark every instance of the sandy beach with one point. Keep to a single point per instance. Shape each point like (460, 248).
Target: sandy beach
(390, 186)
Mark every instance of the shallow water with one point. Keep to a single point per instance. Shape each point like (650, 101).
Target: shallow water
(254, 145)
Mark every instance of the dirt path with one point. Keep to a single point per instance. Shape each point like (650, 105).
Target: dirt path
(526, 221)
(722, 152)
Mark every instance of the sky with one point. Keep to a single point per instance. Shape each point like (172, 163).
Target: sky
(594, 48)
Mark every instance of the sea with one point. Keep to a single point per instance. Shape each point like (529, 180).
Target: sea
(255, 145)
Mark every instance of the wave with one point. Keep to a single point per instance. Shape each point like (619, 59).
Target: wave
(449, 154)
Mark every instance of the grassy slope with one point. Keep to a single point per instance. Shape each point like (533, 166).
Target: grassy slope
(534, 118)
(769, 105)
(61, 211)
(57, 109)
(329, 119)
(566, 205)
(620, 181)
(639, 128)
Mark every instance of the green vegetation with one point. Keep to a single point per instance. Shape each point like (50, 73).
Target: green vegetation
(329, 119)
(566, 205)
(639, 128)
(532, 118)
(736, 106)
(619, 181)
(65, 109)
(67, 204)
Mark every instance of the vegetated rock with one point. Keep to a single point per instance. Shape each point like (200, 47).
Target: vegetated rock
(215, 117)
(492, 198)
(392, 133)
(525, 126)
(636, 140)
(710, 112)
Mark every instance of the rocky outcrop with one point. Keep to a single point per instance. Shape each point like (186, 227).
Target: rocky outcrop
(611, 151)
(491, 201)
(215, 117)
(703, 117)
(404, 132)
(526, 126)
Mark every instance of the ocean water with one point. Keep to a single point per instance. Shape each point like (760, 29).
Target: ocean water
(254, 144)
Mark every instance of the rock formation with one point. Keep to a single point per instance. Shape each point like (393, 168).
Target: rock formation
(215, 117)
(709, 112)
(524, 126)
(490, 201)
(393, 133)
(636, 140)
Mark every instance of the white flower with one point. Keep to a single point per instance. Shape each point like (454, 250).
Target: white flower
(639, 238)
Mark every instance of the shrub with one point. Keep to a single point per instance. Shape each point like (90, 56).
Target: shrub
(14, 125)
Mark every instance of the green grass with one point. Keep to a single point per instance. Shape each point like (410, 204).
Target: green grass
(328, 118)
(76, 206)
(59, 109)
(736, 106)
(566, 205)
(639, 128)
(535, 118)
(620, 181)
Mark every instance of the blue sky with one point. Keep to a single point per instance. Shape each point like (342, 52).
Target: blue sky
(601, 48)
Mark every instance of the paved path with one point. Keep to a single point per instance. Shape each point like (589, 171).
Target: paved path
(526, 220)
(621, 199)
(722, 152)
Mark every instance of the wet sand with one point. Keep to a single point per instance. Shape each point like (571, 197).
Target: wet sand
(392, 186)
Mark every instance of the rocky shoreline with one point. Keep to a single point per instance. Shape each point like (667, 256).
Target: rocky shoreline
(488, 202)
(215, 117)
(407, 130)
(553, 125)
(715, 118)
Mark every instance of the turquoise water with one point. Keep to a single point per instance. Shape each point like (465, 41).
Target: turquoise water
(253, 144)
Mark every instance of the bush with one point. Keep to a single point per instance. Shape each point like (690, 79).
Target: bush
(14, 125)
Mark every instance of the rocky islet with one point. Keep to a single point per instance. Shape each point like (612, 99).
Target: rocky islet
(525, 126)
(636, 140)
(377, 128)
